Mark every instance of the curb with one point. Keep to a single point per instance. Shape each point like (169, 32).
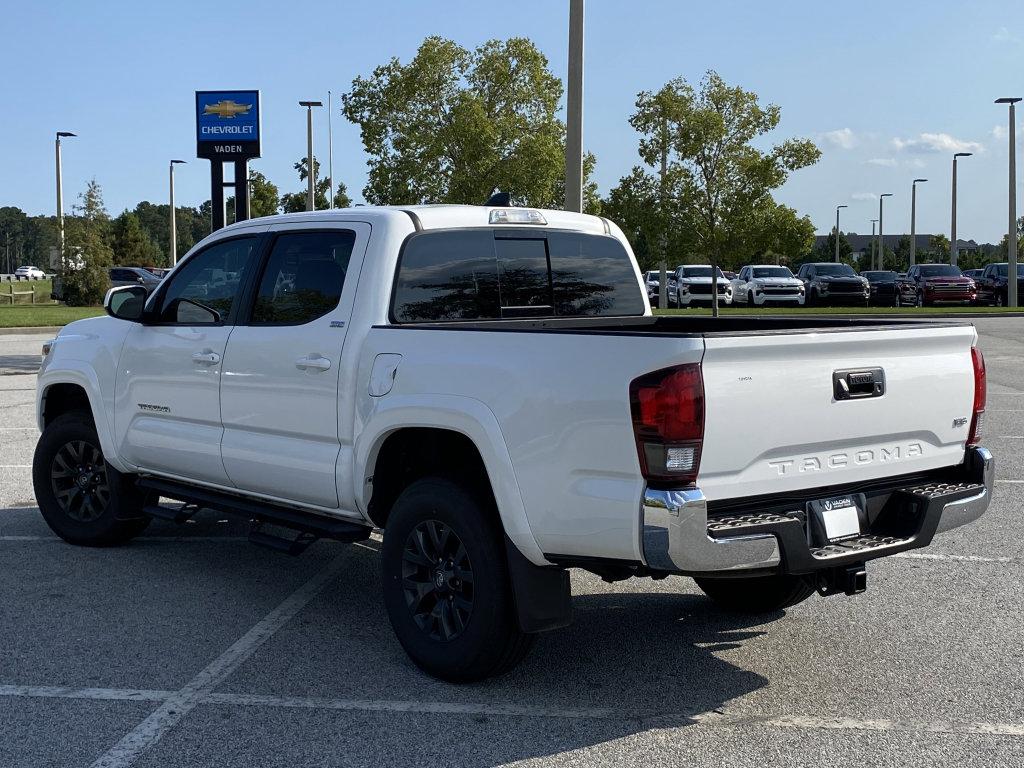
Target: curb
(29, 330)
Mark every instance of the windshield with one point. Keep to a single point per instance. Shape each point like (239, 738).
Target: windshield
(700, 272)
(940, 270)
(879, 277)
(835, 270)
(1004, 269)
(772, 272)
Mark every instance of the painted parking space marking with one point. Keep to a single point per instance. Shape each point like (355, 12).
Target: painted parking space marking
(727, 718)
(180, 703)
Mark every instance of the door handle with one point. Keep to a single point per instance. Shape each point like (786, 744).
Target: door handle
(314, 362)
(206, 357)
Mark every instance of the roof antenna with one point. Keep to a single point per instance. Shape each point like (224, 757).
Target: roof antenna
(499, 200)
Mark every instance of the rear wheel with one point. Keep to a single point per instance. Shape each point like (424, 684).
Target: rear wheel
(82, 498)
(1000, 301)
(759, 594)
(446, 584)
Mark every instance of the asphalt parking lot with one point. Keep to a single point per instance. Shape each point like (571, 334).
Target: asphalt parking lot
(191, 647)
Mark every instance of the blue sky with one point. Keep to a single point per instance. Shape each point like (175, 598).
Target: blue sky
(887, 89)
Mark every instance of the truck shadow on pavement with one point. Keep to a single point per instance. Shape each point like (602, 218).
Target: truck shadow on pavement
(639, 655)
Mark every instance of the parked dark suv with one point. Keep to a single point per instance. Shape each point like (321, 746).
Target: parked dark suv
(883, 287)
(993, 284)
(120, 276)
(927, 284)
(832, 283)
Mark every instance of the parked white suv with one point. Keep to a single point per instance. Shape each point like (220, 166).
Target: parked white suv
(488, 387)
(693, 285)
(32, 273)
(761, 284)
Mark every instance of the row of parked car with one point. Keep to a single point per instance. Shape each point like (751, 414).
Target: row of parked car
(828, 283)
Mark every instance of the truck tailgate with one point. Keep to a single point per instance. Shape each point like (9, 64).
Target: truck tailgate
(774, 423)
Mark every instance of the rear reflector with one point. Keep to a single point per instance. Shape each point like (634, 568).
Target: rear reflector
(668, 423)
(980, 395)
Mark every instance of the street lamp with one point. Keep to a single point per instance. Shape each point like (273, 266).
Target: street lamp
(873, 223)
(952, 226)
(913, 220)
(1011, 233)
(174, 221)
(60, 197)
(881, 243)
(330, 154)
(574, 116)
(837, 229)
(311, 188)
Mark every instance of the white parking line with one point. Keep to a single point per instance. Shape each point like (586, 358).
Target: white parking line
(17, 466)
(954, 558)
(1013, 482)
(152, 729)
(722, 718)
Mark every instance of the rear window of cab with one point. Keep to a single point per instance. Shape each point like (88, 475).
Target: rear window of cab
(493, 274)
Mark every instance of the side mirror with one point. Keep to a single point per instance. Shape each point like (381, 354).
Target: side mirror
(126, 302)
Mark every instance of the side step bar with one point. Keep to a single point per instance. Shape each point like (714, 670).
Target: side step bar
(310, 526)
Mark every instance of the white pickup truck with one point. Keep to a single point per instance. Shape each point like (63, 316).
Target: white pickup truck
(489, 388)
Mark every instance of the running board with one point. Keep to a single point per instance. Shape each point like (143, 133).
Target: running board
(309, 525)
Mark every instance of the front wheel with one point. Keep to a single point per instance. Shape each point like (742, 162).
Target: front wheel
(757, 594)
(82, 498)
(446, 584)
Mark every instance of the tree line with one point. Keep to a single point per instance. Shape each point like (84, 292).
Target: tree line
(452, 125)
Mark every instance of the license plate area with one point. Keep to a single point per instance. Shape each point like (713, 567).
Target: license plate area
(835, 519)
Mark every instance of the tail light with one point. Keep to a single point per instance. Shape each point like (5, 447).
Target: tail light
(980, 393)
(668, 423)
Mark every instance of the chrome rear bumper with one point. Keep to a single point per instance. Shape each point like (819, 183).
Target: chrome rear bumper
(675, 535)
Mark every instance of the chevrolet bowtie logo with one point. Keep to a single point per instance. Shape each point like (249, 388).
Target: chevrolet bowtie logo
(227, 108)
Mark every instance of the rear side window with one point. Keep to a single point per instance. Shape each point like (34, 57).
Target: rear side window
(481, 274)
(303, 277)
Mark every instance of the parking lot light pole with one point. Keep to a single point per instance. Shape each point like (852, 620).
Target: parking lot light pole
(574, 111)
(837, 229)
(913, 220)
(174, 218)
(881, 243)
(952, 226)
(1011, 231)
(310, 175)
(873, 223)
(60, 196)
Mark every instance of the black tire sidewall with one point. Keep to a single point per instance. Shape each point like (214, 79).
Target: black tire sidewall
(478, 650)
(120, 521)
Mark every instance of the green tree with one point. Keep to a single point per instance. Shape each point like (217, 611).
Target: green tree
(938, 250)
(453, 126)
(826, 250)
(87, 258)
(295, 202)
(717, 185)
(901, 254)
(264, 199)
(132, 245)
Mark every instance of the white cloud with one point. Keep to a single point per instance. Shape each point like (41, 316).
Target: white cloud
(843, 138)
(917, 162)
(864, 196)
(936, 142)
(1003, 35)
(998, 132)
(886, 162)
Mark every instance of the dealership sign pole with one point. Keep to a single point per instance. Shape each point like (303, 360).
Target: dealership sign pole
(228, 130)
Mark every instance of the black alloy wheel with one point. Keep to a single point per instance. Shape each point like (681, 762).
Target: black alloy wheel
(78, 477)
(437, 579)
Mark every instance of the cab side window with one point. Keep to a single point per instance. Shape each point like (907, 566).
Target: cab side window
(303, 277)
(204, 290)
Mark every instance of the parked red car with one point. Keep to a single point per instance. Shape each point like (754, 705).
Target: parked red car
(927, 284)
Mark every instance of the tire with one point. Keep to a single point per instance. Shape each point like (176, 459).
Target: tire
(919, 301)
(1000, 301)
(750, 299)
(454, 628)
(811, 300)
(83, 499)
(759, 594)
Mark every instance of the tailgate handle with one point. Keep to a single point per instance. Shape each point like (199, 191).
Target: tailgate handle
(858, 383)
